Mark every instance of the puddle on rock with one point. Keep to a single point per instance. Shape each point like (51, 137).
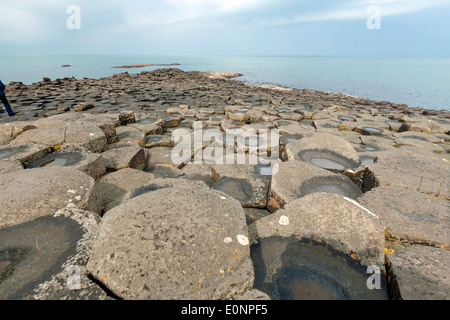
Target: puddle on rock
(57, 159)
(368, 160)
(163, 171)
(5, 154)
(266, 169)
(394, 123)
(415, 137)
(331, 188)
(154, 138)
(9, 259)
(289, 138)
(283, 123)
(369, 148)
(307, 290)
(293, 269)
(30, 253)
(335, 184)
(347, 118)
(371, 130)
(327, 164)
(327, 159)
(238, 189)
(147, 120)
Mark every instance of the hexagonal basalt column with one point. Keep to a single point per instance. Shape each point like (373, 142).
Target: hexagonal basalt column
(324, 150)
(305, 250)
(401, 168)
(418, 272)
(410, 215)
(45, 259)
(75, 157)
(296, 179)
(182, 243)
(126, 157)
(242, 182)
(29, 194)
(15, 157)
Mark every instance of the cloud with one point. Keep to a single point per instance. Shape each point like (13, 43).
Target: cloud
(140, 13)
(354, 10)
(179, 25)
(222, 6)
(30, 21)
(25, 22)
(18, 21)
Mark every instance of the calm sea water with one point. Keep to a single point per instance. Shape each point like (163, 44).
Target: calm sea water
(418, 82)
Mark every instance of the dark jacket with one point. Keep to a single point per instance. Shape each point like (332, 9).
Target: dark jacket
(2, 87)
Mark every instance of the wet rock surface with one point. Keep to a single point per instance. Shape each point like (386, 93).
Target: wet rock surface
(354, 183)
(17, 157)
(79, 158)
(243, 183)
(295, 269)
(45, 259)
(338, 220)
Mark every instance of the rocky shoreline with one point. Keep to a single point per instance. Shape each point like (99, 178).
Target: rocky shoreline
(92, 205)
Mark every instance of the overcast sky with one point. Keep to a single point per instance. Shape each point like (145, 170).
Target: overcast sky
(226, 27)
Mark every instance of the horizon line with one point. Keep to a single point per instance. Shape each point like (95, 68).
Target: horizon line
(230, 55)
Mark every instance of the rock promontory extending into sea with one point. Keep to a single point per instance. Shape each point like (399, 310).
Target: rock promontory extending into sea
(143, 65)
(194, 185)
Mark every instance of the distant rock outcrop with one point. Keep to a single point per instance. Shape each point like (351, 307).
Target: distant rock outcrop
(222, 75)
(142, 65)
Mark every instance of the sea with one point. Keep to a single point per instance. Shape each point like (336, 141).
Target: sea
(416, 81)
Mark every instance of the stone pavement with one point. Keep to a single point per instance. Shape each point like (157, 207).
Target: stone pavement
(94, 205)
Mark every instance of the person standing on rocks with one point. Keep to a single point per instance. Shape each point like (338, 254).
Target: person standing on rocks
(5, 101)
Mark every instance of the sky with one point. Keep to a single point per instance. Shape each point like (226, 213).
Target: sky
(225, 27)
